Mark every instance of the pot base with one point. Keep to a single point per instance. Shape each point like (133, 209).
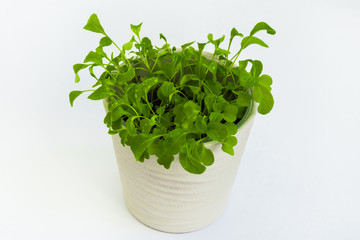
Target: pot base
(166, 228)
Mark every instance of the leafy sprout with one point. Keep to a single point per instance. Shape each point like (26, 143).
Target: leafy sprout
(165, 101)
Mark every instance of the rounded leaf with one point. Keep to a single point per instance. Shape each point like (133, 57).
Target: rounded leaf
(217, 131)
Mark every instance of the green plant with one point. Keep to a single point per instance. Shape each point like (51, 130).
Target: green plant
(163, 101)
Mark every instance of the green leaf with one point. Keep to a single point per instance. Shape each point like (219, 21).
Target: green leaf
(207, 157)
(216, 117)
(105, 41)
(94, 57)
(91, 71)
(188, 77)
(243, 99)
(94, 25)
(77, 68)
(146, 124)
(140, 143)
(201, 47)
(265, 81)
(167, 69)
(166, 120)
(160, 110)
(252, 40)
(230, 113)
(187, 124)
(130, 126)
(221, 51)
(177, 61)
(191, 109)
(217, 41)
(212, 67)
(256, 68)
(235, 33)
(228, 144)
(202, 154)
(125, 77)
(127, 46)
(242, 65)
(144, 156)
(156, 148)
(123, 136)
(136, 29)
(113, 132)
(175, 139)
(220, 106)
(100, 51)
(231, 127)
(209, 100)
(200, 97)
(116, 125)
(107, 119)
(167, 88)
(100, 93)
(118, 113)
(144, 109)
(214, 86)
(77, 78)
(217, 131)
(262, 26)
(188, 161)
(246, 80)
(73, 95)
(163, 37)
(264, 98)
(146, 85)
(179, 113)
(165, 160)
(146, 44)
(184, 46)
(200, 124)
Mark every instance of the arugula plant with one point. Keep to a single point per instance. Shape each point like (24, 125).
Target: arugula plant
(166, 101)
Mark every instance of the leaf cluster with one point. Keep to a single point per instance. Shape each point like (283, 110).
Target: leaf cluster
(165, 101)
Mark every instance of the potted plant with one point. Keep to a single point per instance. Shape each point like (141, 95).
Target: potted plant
(179, 119)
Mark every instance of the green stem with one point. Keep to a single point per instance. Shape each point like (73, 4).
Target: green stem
(155, 64)
(227, 55)
(147, 102)
(201, 139)
(132, 109)
(183, 94)
(127, 60)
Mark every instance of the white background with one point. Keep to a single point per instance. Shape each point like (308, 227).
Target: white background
(299, 178)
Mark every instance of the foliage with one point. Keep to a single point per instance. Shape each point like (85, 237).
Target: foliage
(164, 101)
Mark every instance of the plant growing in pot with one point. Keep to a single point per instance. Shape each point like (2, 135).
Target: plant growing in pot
(179, 119)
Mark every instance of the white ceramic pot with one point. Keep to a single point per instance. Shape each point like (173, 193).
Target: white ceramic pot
(173, 200)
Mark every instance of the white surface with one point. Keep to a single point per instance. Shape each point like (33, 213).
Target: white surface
(299, 178)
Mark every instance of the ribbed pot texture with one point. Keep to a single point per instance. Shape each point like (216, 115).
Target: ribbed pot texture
(173, 200)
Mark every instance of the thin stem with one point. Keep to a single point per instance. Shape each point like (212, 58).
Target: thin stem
(201, 139)
(121, 52)
(155, 63)
(147, 102)
(183, 94)
(227, 54)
